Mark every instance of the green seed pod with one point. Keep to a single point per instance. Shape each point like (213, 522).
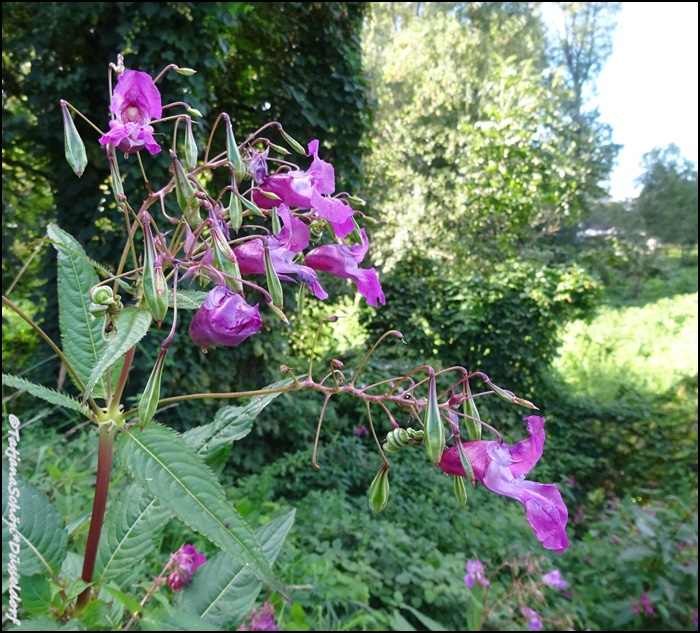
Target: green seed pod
(190, 146)
(232, 153)
(274, 287)
(466, 464)
(226, 260)
(460, 491)
(251, 206)
(235, 211)
(276, 226)
(102, 295)
(400, 438)
(434, 437)
(151, 394)
(74, 146)
(502, 393)
(295, 145)
(185, 194)
(155, 289)
(379, 490)
(469, 408)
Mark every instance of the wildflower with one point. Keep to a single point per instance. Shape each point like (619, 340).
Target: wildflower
(361, 430)
(292, 239)
(262, 619)
(554, 579)
(224, 319)
(184, 562)
(502, 469)
(532, 619)
(646, 603)
(135, 102)
(342, 260)
(635, 608)
(475, 573)
(308, 190)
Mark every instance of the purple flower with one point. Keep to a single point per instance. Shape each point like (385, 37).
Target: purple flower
(308, 190)
(292, 239)
(554, 579)
(342, 260)
(361, 430)
(184, 562)
(635, 608)
(224, 319)
(135, 102)
(646, 603)
(475, 573)
(532, 619)
(502, 469)
(262, 619)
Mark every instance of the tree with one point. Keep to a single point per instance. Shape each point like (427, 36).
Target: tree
(668, 202)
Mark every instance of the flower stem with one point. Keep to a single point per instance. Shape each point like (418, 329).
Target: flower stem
(104, 469)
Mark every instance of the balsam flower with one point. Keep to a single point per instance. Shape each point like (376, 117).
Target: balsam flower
(343, 261)
(475, 573)
(308, 190)
(135, 102)
(532, 619)
(184, 562)
(502, 469)
(554, 579)
(224, 319)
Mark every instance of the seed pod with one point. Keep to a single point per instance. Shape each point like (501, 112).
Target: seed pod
(379, 490)
(460, 491)
(151, 394)
(74, 146)
(434, 437)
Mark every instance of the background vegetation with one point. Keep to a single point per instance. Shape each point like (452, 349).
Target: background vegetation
(468, 128)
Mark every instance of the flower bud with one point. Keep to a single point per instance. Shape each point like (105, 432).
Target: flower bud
(102, 295)
(185, 194)
(434, 436)
(278, 313)
(460, 491)
(74, 146)
(251, 206)
(232, 153)
(379, 490)
(187, 72)
(155, 289)
(194, 112)
(190, 146)
(151, 394)
(508, 396)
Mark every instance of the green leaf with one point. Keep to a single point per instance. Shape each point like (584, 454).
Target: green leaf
(45, 393)
(36, 594)
(130, 326)
(223, 591)
(429, 623)
(189, 299)
(164, 619)
(401, 623)
(133, 605)
(127, 535)
(41, 536)
(176, 476)
(230, 424)
(81, 333)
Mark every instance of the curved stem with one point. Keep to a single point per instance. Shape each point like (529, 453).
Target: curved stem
(314, 465)
(396, 333)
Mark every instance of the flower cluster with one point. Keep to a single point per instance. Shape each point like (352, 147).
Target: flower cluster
(184, 563)
(554, 579)
(262, 619)
(475, 574)
(532, 619)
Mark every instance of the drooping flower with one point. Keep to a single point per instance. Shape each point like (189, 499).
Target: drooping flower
(224, 319)
(262, 619)
(475, 573)
(135, 102)
(532, 619)
(646, 603)
(554, 579)
(309, 189)
(283, 247)
(502, 469)
(184, 562)
(343, 261)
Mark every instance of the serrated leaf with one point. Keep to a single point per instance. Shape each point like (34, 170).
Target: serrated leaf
(175, 475)
(230, 424)
(130, 326)
(45, 393)
(223, 591)
(40, 534)
(81, 333)
(36, 594)
(164, 619)
(127, 535)
(44, 623)
(189, 299)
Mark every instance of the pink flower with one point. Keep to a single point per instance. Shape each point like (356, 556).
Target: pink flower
(262, 619)
(343, 261)
(532, 619)
(502, 469)
(135, 102)
(646, 603)
(224, 319)
(361, 430)
(184, 562)
(308, 190)
(475, 572)
(554, 579)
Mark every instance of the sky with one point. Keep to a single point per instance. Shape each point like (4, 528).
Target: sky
(648, 90)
